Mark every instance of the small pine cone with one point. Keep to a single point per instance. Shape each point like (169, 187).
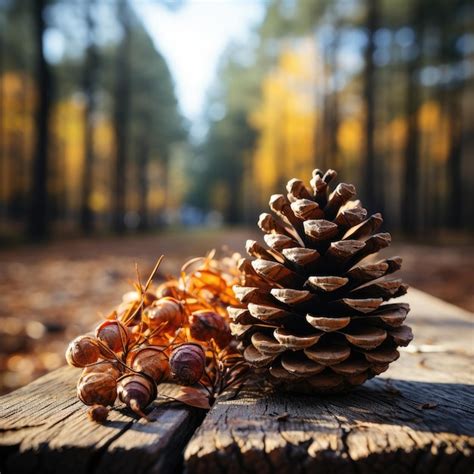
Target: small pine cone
(187, 363)
(205, 325)
(312, 315)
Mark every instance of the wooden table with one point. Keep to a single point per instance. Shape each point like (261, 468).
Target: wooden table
(417, 417)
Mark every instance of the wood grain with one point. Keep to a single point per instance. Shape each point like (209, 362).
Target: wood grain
(44, 428)
(418, 417)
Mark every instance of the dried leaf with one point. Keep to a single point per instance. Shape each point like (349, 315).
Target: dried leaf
(192, 396)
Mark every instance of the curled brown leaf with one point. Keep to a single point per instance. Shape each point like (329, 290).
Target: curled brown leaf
(192, 396)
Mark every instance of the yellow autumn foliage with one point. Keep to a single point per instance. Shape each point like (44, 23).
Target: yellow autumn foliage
(289, 122)
(285, 120)
(350, 136)
(68, 132)
(17, 140)
(434, 127)
(68, 126)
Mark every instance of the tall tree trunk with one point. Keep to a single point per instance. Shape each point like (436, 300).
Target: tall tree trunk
(233, 215)
(143, 149)
(16, 201)
(410, 182)
(326, 144)
(334, 127)
(89, 81)
(372, 197)
(167, 191)
(451, 98)
(38, 208)
(320, 135)
(455, 188)
(121, 119)
(333, 112)
(3, 155)
(281, 152)
(441, 95)
(15, 156)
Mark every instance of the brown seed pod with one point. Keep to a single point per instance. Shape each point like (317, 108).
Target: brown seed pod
(97, 388)
(134, 296)
(167, 289)
(137, 392)
(158, 340)
(206, 325)
(166, 312)
(123, 309)
(187, 363)
(150, 360)
(82, 351)
(149, 298)
(114, 335)
(193, 304)
(105, 366)
(135, 335)
(98, 413)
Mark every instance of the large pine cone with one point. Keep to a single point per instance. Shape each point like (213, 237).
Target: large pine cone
(312, 315)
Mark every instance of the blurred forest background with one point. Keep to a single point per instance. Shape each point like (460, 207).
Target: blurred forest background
(94, 143)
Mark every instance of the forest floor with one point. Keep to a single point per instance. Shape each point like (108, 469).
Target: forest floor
(53, 292)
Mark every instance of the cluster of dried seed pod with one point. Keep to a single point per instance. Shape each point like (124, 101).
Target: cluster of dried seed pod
(150, 360)
(187, 363)
(176, 332)
(137, 391)
(82, 351)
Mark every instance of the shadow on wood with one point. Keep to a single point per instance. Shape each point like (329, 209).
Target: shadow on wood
(412, 426)
(44, 428)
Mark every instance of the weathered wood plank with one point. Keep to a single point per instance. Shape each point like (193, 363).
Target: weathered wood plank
(44, 428)
(379, 427)
(418, 418)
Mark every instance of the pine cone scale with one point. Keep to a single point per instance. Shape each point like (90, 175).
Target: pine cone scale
(326, 324)
(313, 314)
